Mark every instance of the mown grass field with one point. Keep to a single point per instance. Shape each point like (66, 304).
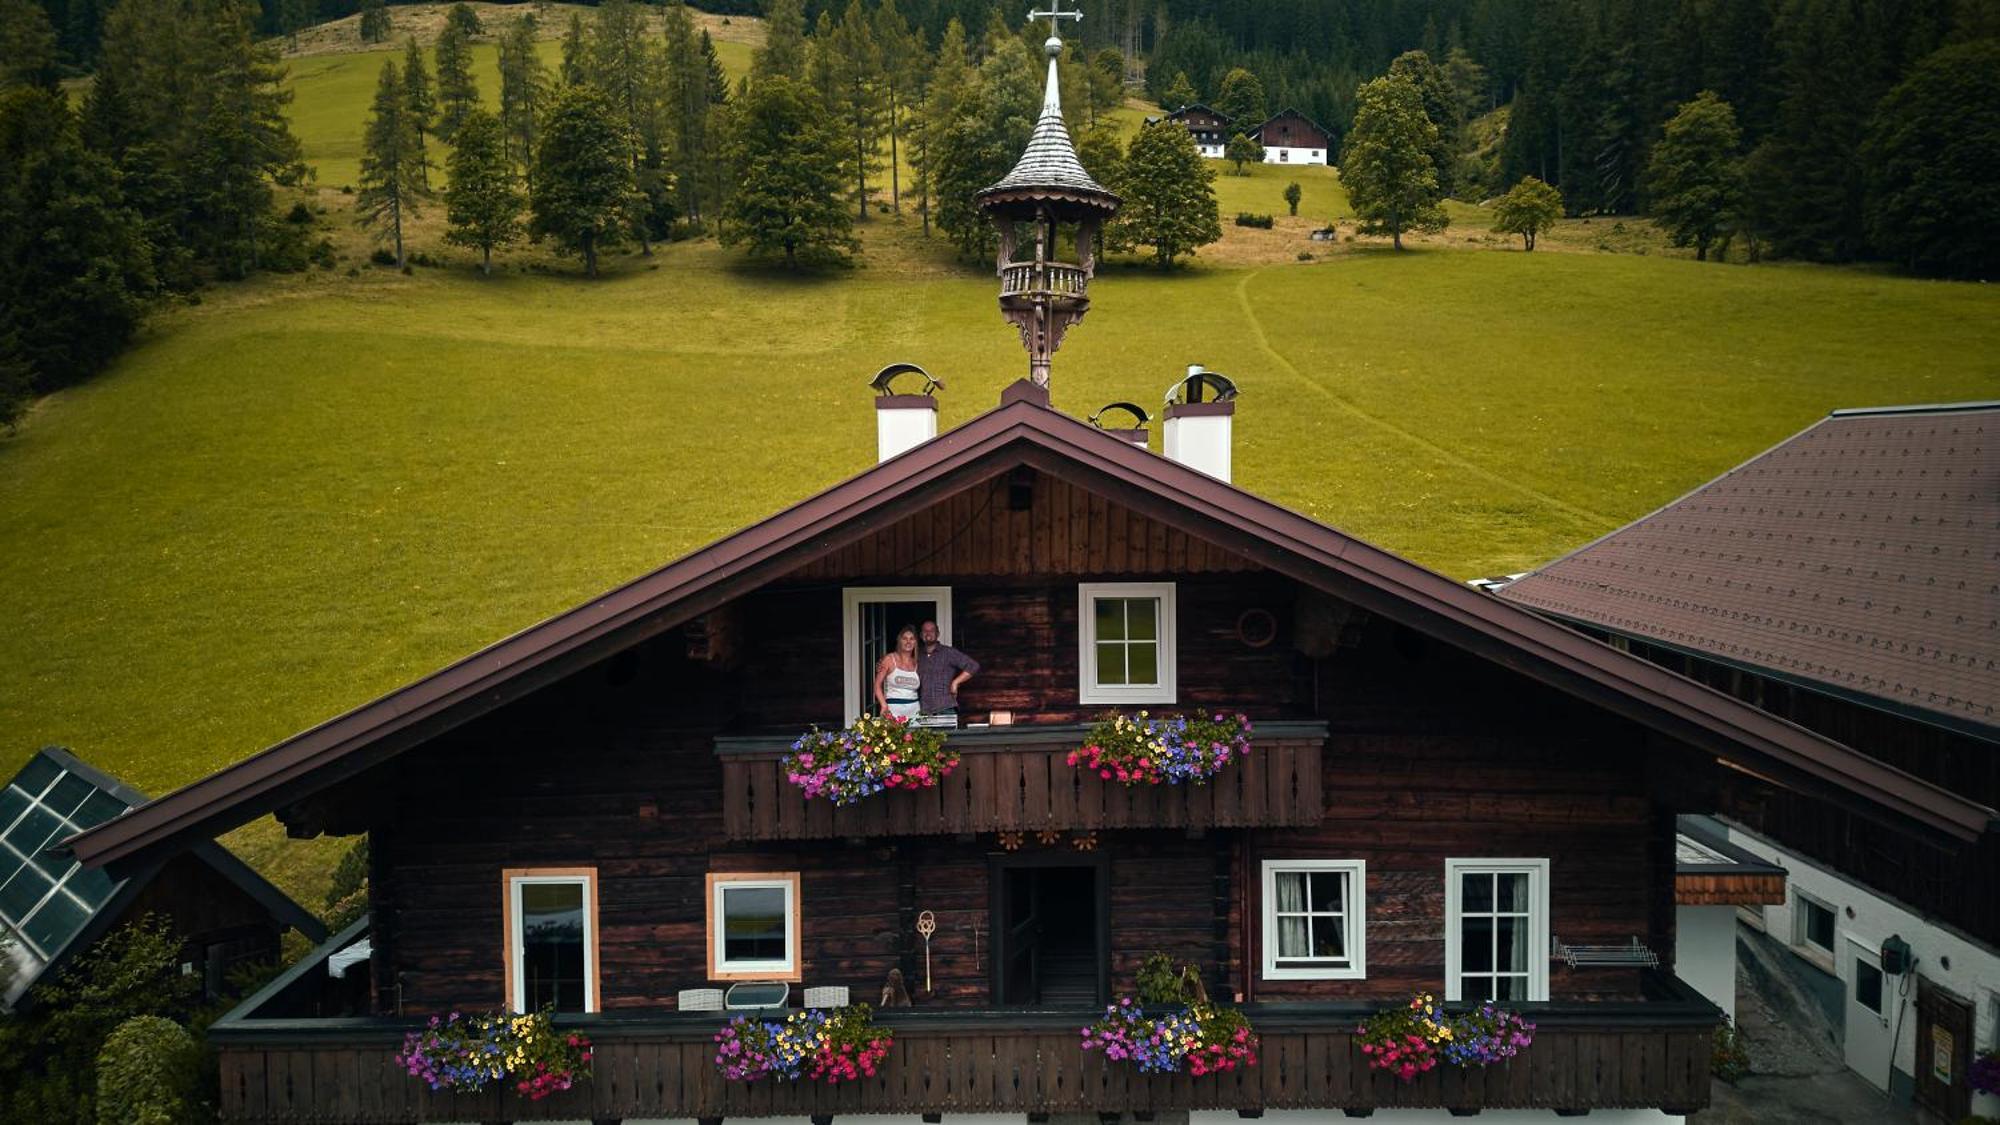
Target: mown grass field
(309, 490)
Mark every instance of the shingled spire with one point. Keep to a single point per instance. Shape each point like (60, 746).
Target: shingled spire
(1047, 190)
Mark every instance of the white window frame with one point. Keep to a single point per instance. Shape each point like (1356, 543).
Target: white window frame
(851, 599)
(517, 978)
(1537, 871)
(1088, 689)
(1356, 922)
(719, 966)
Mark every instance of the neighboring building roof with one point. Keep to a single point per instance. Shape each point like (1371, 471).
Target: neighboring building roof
(1025, 431)
(1860, 558)
(52, 907)
(1711, 871)
(1290, 112)
(1184, 110)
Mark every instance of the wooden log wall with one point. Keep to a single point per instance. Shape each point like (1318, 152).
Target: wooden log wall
(970, 1071)
(1029, 789)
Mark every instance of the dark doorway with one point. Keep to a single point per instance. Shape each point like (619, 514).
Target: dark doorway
(1050, 932)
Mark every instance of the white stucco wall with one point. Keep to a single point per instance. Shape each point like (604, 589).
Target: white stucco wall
(1705, 952)
(1974, 971)
(1279, 154)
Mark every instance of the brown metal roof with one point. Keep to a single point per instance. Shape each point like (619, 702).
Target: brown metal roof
(1025, 431)
(1860, 557)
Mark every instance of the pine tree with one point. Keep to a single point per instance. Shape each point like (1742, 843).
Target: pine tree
(1241, 99)
(1933, 157)
(582, 194)
(1242, 150)
(628, 69)
(392, 163)
(74, 270)
(1441, 108)
(1529, 208)
(1696, 176)
(1293, 193)
(1107, 82)
(715, 131)
(375, 26)
(685, 106)
(239, 143)
(1180, 93)
(946, 82)
(457, 92)
(524, 84)
(27, 46)
(988, 126)
(575, 53)
(417, 99)
(462, 20)
(898, 57)
(1169, 194)
(1386, 165)
(787, 159)
(483, 203)
(783, 54)
(853, 67)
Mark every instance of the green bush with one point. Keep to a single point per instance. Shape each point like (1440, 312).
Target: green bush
(1245, 219)
(1729, 1061)
(146, 1074)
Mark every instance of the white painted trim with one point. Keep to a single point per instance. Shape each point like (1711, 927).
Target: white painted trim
(1356, 900)
(518, 937)
(851, 600)
(1537, 871)
(1088, 690)
(721, 966)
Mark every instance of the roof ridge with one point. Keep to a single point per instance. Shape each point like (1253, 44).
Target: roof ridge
(1917, 408)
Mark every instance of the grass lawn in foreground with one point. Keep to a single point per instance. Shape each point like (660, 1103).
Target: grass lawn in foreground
(310, 490)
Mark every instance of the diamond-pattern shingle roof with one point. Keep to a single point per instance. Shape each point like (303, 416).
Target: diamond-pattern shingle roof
(1049, 164)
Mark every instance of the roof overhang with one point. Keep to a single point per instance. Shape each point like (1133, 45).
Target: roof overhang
(1025, 431)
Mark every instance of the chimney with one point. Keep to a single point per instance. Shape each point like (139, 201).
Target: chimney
(1136, 433)
(903, 421)
(1198, 431)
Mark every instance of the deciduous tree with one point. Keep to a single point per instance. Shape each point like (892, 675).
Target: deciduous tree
(1241, 99)
(462, 19)
(1387, 166)
(1293, 193)
(483, 203)
(1180, 92)
(1441, 108)
(582, 193)
(1529, 208)
(392, 160)
(1696, 175)
(787, 158)
(375, 25)
(1169, 194)
(1933, 154)
(1242, 150)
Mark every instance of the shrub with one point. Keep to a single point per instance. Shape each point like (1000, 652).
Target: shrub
(147, 1073)
(1305, 255)
(1246, 219)
(1728, 1061)
(382, 256)
(300, 213)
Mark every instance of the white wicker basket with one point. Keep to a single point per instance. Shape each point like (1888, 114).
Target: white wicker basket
(701, 1000)
(832, 996)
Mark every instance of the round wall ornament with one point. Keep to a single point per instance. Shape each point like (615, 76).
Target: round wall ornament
(1257, 628)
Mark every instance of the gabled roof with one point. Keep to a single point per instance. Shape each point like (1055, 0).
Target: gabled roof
(1024, 430)
(1288, 111)
(1176, 115)
(1859, 558)
(51, 907)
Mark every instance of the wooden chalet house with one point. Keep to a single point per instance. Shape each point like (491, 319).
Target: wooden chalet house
(1445, 793)
(1290, 137)
(52, 909)
(1210, 128)
(1845, 580)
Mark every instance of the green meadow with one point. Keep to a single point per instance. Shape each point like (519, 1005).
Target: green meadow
(309, 490)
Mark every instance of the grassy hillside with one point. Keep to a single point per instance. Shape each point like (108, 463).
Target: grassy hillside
(311, 489)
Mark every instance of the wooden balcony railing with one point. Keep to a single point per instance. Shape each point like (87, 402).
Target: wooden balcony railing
(1645, 1054)
(1019, 779)
(1055, 279)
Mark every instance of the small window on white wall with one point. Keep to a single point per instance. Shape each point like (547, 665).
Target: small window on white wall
(1126, 642)
(1315, 923)
(1496, 939)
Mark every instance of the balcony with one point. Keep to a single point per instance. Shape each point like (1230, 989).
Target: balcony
(1018, 779)
(1651, 1053)
(1048, 279)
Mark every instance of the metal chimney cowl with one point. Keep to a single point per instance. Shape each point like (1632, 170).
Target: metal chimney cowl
(903, 421)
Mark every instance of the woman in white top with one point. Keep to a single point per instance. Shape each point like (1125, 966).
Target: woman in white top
(896, 680)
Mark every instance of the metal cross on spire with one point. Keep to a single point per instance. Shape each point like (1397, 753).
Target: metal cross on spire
(1054, 14)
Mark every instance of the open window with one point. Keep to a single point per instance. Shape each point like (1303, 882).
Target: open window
(551, 939)
(753, 926)
(1315, 922)
(1496, 942)
(1127, 639)
(871, 616)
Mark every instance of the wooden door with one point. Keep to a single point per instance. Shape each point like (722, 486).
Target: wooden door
(1944, 1051)
(1018, 937)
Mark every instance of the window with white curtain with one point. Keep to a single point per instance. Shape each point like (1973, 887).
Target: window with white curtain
(1315, 921)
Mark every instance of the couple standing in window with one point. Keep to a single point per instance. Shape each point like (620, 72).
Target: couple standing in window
(921, 675)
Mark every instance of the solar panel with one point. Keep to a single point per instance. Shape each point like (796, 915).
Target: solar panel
(45, 899)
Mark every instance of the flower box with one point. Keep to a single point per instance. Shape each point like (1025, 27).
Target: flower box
(1187, 1034)
(815, 1045)
(871, 754)
(1163, 749)
(467, 1051)
(1419, 1036)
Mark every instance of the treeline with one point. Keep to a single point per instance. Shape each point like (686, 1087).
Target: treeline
(164, 178)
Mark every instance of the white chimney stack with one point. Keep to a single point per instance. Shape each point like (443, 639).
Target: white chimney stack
(903, 421)
(1198, 433)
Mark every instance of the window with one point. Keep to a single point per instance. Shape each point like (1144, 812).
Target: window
(1496, 944)
(1315, 923)
(551, 939)
(1126, 637)
(870, 618)
(1816, 920)
(753, 926)
(1868, 985)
